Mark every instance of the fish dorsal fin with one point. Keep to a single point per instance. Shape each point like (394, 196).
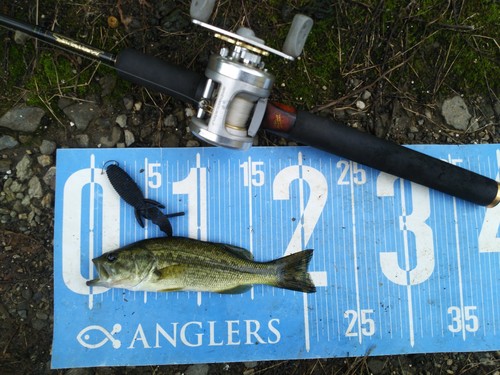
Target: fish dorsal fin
(236, 290)
(238, 251)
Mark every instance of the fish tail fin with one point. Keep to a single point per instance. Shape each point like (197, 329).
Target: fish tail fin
(292, 272)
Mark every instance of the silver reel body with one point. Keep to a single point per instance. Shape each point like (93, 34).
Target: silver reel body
(235, 96)
(240, 88)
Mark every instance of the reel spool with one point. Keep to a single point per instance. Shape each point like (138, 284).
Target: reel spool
(235, 95)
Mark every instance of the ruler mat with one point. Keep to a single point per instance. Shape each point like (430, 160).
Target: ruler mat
(399, 268)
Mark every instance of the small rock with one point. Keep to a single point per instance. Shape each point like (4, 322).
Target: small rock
(82, 140)
(375, 365)
(20, 37)
(137, 106)
(5, 165)
(366, 95)
(192, 143)
(112, 139)
(170, 121)
(22, 118)
(4, 313)
(44, 160)
(47, 200)
(38, 324)
(360, 104)
(456, 113)
(15, 186)
(128, 104)
(496, 107)
(6, 141)
(22, 313)
(64, 102)
(197, 370)
(23, 168)
(170, 141)
(41, 315)
(35, 188)
(129, 137)
(189, 112)
(26, 294)
(108, 84)
(50, 178)
(47, 147)
(81, 114)
(121, 121)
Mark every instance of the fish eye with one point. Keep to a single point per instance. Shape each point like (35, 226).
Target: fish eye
(111, 257)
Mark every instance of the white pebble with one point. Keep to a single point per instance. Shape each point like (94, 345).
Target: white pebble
(360, 104)
(137, 106)
(121, 120)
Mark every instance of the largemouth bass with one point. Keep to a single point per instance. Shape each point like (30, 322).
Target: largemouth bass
(182, 264)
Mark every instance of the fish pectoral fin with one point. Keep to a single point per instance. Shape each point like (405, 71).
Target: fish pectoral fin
(238, 251)
(236, 290)
(170, 272)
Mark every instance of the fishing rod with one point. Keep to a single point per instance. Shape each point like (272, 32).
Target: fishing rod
(232, 105)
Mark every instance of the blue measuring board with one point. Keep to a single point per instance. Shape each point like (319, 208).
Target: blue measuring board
(399, 268)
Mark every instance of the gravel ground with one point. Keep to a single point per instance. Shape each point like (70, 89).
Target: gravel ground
(138, 118)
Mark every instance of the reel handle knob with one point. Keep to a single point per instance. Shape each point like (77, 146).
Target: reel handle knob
(201, 9)
(297, 35)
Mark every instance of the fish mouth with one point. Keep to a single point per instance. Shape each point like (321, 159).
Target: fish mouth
(103, 275)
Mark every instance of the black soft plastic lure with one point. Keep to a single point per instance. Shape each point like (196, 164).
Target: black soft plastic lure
(130, 192)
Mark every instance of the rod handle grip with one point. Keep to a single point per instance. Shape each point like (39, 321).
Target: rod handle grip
(386, 156)
(156, 74)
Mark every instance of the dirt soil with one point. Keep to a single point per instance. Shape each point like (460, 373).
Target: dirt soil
(374, 72)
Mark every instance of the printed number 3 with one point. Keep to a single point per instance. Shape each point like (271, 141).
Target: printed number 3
(415, 223)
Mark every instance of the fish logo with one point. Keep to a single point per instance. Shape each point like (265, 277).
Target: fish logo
(85, 337)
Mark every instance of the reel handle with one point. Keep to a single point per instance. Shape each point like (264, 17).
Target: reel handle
(386, 156)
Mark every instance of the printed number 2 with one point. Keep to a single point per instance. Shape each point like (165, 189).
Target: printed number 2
(314, 206)
(366, 324)
(460, 320)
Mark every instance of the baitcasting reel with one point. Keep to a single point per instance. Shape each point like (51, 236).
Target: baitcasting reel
(234, 99)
